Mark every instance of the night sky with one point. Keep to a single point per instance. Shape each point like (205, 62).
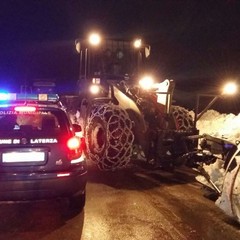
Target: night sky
(193, 42)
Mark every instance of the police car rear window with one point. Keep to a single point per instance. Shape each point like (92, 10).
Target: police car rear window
(37, 123)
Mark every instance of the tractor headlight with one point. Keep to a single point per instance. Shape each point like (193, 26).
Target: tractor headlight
(94, 89)
(146, 82)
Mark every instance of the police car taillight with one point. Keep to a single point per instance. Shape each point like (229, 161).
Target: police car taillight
(73, 143)
(75, 146)
(25, 109)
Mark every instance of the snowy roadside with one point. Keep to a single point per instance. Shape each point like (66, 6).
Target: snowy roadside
(220, 125)
(225, 126)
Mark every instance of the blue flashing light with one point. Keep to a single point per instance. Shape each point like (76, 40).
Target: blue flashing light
(4, 97)
(7, 96)
(4, 105)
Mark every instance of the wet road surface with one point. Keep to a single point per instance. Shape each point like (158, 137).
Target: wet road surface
(132, 204)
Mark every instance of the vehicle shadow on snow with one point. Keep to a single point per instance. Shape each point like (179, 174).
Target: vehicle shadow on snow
(136, 177)
(37, 220)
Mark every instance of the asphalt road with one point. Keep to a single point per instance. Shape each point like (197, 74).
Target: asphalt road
(131, 204)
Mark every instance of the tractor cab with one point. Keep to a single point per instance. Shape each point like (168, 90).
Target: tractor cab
(101, 60)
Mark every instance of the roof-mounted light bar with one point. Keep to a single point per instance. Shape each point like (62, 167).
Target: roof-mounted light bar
(29, 97)
(7, 96)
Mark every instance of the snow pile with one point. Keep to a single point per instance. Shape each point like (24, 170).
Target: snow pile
(220, 125)
(223, 126)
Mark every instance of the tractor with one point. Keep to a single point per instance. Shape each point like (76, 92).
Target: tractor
(125, 115)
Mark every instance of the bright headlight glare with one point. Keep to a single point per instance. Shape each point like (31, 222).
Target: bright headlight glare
(94, 39)
(94, 89)
(230, 88)
(146, 82)
(137, 43)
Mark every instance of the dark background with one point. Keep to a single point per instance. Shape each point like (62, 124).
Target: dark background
(196, 43)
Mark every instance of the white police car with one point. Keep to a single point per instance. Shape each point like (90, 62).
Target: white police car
(41, 155)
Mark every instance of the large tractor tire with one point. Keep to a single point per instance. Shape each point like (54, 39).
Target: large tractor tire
(183, 119)
(109, 137)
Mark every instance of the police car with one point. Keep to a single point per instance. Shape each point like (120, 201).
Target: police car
(41, 151)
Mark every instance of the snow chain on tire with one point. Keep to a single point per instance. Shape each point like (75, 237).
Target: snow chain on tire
(109, 137)
(183, 120)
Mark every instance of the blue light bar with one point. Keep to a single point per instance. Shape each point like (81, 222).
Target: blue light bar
(3, 96)
(28, 97)
(7, 96)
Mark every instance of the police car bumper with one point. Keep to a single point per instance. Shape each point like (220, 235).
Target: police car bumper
(36, 186)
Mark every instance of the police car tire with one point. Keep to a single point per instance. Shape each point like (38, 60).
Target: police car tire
(77, 202)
